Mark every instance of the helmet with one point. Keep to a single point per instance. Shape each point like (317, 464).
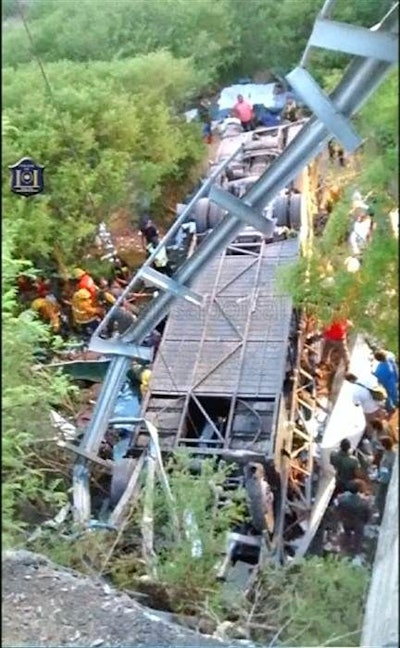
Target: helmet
(78, 273)
(83, 294)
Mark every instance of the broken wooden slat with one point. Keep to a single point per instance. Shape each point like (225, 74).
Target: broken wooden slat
(86, 454)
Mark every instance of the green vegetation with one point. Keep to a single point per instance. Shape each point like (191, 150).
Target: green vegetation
(27, 399)
(186, 569)
(368, 297)
(110, 133)
(311, 603)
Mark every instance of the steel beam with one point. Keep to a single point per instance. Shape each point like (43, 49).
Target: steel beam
(114, 347)
(352, 39)
(308, 89)
(166, 283)
(242, 211)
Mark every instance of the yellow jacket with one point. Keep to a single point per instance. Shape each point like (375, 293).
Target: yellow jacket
(47, 311)
(83, 309)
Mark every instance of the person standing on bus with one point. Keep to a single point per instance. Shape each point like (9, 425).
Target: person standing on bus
(243, 110)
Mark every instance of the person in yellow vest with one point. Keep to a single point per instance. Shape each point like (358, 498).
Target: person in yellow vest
(48, 310)
(86, 316)
(145, 378)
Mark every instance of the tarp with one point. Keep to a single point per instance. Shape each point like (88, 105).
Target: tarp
(255, 93)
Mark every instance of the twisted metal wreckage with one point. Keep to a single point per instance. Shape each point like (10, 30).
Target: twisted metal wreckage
(222, 364)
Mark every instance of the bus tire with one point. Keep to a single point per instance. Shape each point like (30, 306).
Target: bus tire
(295, 208)
(280, 210)
(201, 209)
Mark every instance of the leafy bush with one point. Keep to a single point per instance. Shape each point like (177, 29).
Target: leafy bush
(315, 602)
(28, 397)
(107, 132)
(189, 567)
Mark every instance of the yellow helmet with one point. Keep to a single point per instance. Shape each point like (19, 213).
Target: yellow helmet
(78, 273)
(83, 294)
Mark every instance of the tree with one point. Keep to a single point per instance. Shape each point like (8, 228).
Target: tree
(106, 130)
(368, 297)
(28, 397)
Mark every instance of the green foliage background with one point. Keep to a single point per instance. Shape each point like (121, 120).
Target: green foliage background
(111, 132)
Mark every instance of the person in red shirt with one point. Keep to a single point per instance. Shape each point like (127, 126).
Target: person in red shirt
(243, 110)
(335, 339)
(42, 287)
(85, 281)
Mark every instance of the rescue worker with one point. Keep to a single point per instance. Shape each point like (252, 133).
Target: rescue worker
(161, 262)
(335, 339)
(25, 287)
(387, 374)
(145, 378)
(290, 111)
(42, 287)
(149, 232)
(384, 474)
(86, 316)
(48, 310)
(120, 271)
(105, 298)
(85, 281)
(205, 118)
(346, 465)
(353, 511)
(121, 320)
(368, 394)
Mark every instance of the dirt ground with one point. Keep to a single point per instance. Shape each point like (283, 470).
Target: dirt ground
(44, 605)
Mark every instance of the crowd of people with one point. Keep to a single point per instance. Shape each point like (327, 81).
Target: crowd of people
(77, 304)
(363, 474)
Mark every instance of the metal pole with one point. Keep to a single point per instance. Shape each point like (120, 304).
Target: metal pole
(324, 13)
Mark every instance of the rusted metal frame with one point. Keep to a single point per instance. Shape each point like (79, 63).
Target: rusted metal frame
(310, 444)
(239, 274)
(304, 372)
(300, 469)
(202, 340)
(286, 462)
(305, 404)
(252, 307)
(296, 453)
(300, 433)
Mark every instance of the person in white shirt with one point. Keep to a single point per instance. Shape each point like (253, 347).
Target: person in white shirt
(362, 396)
(360, 233)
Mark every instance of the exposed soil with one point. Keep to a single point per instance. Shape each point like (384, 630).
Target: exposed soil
(44, 605)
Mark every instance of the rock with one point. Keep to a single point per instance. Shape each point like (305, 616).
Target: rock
(82, 617)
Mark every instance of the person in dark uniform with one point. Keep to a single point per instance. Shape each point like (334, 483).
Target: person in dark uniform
(353, 511)
(346, 465)
(149, 232)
